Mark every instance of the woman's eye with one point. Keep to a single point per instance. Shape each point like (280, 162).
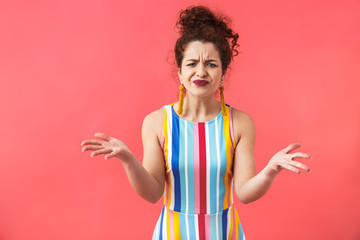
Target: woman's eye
(209, 64)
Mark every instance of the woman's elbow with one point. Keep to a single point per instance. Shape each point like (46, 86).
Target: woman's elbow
(245, 201)
(243, 198)
(153, 198)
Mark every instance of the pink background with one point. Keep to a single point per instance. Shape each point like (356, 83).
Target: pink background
(69, 69)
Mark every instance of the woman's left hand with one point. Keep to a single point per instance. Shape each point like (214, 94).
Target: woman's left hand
(285, 160)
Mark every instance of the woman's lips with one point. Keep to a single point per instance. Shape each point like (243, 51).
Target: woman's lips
(200, 82)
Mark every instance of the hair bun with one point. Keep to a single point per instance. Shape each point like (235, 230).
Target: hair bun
(196, 17)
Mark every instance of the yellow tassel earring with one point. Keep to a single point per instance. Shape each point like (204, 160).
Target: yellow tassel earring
(181, 99)
(223, 106)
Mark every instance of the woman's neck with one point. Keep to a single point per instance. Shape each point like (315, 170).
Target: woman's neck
(199, 109)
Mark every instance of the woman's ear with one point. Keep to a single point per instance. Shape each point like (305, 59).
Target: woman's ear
(223, 74)
(180, 77)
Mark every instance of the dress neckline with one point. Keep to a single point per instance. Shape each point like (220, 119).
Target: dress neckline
(177, 116)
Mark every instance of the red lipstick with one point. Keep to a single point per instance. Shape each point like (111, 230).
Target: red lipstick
(200, 82)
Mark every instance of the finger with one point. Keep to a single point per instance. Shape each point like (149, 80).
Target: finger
(300, 165)
(102, 136)
(290, 168)
(300, 155)
(111, 155)
(292, 147)
(100, 152)
(91, 147)
(86, 142)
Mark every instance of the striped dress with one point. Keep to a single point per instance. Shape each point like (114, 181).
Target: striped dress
(198, 194)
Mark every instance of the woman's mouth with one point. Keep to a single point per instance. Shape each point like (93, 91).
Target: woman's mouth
(200, 82)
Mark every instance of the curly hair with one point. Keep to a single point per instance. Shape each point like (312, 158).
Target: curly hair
(200, 23)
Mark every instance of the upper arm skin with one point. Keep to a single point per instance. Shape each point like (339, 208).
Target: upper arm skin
(244, 159)
(153, 160)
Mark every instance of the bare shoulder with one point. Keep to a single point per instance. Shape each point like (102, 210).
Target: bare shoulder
(153, 123)
(243, 124)
(155, 116)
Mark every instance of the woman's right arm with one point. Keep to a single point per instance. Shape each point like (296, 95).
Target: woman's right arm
(147, 179)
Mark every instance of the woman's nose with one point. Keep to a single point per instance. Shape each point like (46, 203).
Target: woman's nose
(201, 71)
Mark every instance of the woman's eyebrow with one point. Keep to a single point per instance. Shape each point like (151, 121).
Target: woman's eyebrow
(208, 60)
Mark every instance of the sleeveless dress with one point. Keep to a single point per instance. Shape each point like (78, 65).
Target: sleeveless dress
(198, 194)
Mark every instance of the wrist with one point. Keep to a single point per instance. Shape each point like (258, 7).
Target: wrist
(126, 158)
(270, 173)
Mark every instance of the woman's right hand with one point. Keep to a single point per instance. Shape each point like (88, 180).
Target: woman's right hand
(110, 145)
(285, 160)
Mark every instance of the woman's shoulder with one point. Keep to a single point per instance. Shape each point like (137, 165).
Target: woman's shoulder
(153, 123)
(243, 123)
(156, 117)
(239, 115)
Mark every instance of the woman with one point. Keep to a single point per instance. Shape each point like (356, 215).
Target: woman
(198, 150)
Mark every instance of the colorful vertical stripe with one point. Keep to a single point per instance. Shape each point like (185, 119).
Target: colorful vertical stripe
(198, 193)
(171, 225)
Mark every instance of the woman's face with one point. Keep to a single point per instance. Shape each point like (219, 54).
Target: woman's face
(201, 70)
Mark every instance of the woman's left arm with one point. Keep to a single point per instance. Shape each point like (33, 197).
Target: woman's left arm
(248, 185)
